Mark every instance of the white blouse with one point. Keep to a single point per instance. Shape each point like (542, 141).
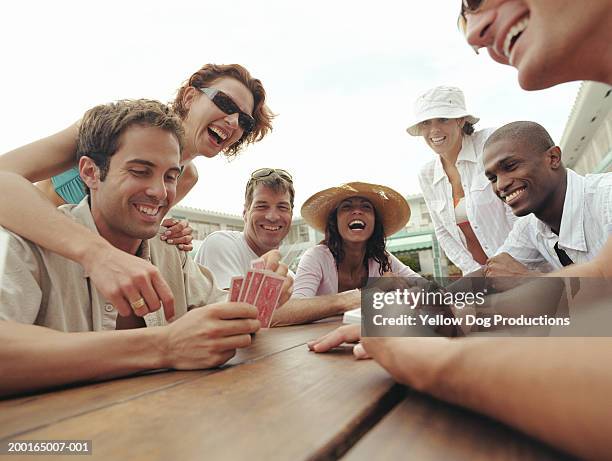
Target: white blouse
(490, 218)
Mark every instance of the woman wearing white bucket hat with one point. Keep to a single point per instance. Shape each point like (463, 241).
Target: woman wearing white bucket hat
(355, 217)
(470, 222)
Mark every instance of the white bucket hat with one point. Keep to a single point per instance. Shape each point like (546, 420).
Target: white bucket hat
(439, 102)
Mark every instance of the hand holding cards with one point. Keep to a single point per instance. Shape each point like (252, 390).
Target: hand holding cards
(259, 287)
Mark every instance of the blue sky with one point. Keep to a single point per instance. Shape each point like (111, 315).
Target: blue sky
(341, 76)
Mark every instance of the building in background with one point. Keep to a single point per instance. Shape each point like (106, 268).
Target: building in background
(587, 140)
(415, 245)
(587, 148)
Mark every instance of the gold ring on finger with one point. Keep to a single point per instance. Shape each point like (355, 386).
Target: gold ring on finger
(138, 304)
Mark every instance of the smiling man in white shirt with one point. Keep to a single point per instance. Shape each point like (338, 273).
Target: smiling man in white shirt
(268, 211)
(566, 216)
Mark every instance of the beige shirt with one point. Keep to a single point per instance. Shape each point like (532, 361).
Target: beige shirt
(43, 288)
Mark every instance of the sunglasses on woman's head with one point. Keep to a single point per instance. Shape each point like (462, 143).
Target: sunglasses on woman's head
(229, 107)
(265, 172)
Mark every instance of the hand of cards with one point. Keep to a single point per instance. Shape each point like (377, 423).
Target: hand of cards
(259, 287)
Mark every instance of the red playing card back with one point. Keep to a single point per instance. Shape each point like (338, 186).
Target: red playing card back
(267, 298)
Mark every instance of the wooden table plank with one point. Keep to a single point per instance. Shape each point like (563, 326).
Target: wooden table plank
(289, 406)
(35, 411)
(427, 429)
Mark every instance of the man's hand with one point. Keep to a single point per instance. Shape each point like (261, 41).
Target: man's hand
(208, 336)
(343, 334)
(414, 361)
(178, 233)
(272, 261)
(122, 279)
(502, 267)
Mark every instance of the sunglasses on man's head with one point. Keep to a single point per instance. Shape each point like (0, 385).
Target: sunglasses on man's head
(228, 106)
(468, 7)
(265, 172)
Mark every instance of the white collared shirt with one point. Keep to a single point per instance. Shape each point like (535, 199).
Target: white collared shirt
(586, 224)
(490, 218)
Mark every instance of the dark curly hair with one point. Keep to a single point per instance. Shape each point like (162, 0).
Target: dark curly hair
(468, 128)
(261, 113)
(375, 246)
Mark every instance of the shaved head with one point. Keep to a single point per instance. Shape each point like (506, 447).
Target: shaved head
(524, 165)
(530, 135)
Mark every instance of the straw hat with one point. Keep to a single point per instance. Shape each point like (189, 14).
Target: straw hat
(439, 102)
(389, 204)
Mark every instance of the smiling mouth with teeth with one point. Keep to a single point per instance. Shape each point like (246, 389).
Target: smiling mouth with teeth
(513, 35)
(149, 211)
(217, 134)
(271, 228)
(511, 197)
(357, 224)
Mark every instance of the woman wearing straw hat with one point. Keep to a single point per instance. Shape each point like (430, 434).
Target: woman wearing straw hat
(355, 217)
(470, 222)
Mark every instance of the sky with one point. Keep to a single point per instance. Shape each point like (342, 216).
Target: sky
(341, 76)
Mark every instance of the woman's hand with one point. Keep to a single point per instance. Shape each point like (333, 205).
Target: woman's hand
(178, 233)
(337, 337)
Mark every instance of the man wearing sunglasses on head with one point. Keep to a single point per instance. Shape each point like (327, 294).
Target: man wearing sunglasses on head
(268, 211)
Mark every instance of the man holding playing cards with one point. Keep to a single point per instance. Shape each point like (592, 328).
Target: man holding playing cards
(56, 328)
(233, 256)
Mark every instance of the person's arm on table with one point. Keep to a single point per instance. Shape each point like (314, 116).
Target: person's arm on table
(556, 389)
(34, 357)
(305, 310)
(115, 274)
(305, 306)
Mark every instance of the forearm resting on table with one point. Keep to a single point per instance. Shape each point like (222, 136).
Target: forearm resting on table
(305, 310)
(34, 357)
(557, 389)
(26, 211)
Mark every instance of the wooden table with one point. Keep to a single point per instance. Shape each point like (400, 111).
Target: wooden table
(274, 400)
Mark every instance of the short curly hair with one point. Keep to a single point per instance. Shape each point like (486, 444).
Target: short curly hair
(261, 113)
(102, 126)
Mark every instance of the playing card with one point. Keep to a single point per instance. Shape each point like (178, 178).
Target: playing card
(256, 279)
(268, 296)
(245, 286)
(258, 264)
(235, 286)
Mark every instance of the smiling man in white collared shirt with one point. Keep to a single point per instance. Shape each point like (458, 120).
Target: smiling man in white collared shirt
(566, 217)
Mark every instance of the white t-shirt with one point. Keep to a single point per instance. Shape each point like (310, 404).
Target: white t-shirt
(226, 254)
